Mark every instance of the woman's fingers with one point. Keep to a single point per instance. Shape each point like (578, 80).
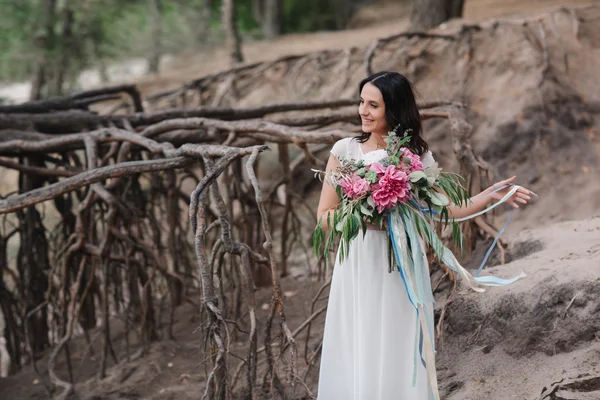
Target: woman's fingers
(523, 192)
(521, 195)
(509, 180)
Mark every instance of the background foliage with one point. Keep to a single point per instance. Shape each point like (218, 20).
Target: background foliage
(106, 30)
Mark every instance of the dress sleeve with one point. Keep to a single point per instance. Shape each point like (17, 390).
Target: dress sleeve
(340, 148)
(427, 159)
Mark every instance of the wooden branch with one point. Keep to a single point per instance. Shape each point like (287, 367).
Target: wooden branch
(18, 134)
(73, 307)
(181, 157)
(277, 299)
(67, 142)
(581, 384)
(43, 106)
(320, 119)
(307, 322)
(21, 201)
(277, 131)
(79, 101)
(35, 170)
(131, 90)
(74, 120)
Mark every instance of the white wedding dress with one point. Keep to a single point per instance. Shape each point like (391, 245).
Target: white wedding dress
(369, 340)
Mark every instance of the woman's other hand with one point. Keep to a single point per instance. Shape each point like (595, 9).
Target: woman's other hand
(522, 195)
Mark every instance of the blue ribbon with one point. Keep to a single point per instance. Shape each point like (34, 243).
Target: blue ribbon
(419, 293)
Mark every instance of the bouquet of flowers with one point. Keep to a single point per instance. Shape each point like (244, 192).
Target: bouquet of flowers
(395, 184)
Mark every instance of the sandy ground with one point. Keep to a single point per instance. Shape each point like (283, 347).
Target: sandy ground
(512, 342)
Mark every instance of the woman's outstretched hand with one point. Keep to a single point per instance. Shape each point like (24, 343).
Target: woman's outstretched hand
(522, 195)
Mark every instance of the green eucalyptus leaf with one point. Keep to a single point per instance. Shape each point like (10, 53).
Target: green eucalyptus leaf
(366, 211)
(439, 199)
(371, 202)
(417, 176)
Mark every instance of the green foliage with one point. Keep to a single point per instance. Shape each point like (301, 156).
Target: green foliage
(15, 32)
(245, 20)
(107, 30)
(309, 15)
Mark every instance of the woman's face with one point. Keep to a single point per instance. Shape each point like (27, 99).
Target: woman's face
(372, 110)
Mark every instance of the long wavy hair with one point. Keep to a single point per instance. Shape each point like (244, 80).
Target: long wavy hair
(401, 112)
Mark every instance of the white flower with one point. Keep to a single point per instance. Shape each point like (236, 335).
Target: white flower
(433, 170)
(374, 156)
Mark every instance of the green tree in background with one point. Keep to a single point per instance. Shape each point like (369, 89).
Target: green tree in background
(51, 41)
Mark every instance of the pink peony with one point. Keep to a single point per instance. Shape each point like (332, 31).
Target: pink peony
(415, 160)
(354, 186)
(393, 188)
(377, 168)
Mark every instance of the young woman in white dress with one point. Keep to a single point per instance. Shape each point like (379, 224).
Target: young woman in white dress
(369, 340)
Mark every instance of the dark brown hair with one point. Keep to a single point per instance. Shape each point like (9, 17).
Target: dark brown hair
(401, 111)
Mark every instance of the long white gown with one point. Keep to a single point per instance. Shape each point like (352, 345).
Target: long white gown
(369, 340)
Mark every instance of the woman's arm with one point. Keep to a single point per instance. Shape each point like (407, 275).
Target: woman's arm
(329, 199)
(482, 200)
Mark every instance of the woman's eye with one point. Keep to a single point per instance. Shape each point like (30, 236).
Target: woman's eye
(360, 101)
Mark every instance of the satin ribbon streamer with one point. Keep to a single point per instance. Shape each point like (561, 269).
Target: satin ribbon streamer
(409, 252)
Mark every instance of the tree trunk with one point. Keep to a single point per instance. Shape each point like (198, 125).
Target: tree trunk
(257, 10)
(199, 20)
(456, 8)
(343, 10)
(427, 14)
(38, 80)
(43, 45)
(65, 46)
(232, 34)
(7, 307)
(148, 328)
(272, 18)
(155, 36)
(32, 260)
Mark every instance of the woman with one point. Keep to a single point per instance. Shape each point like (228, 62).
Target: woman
(369, 340)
